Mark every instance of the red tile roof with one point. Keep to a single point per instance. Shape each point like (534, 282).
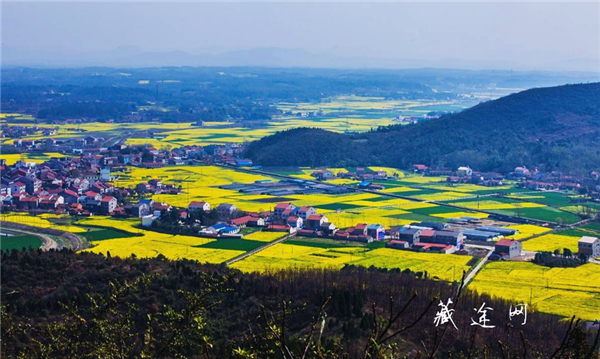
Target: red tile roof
(427, 233)
(196, 203)
(505, 242)
(361, 226)
(283, 205)
(241, 220)
(70, 193)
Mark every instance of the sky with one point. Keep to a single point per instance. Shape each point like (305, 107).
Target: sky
(532, 34)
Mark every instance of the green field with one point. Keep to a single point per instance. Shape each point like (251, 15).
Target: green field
(594, 226)
(543, 214)
(8, 243)
(237, 244)
(105, 234)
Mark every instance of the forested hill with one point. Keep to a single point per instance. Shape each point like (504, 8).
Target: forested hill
(549, 128)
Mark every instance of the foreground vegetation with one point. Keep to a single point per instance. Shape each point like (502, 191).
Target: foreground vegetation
(155, 308)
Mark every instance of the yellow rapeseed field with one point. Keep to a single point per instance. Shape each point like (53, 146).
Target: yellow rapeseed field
(550, 242)
(284, 255)
(11, 158)
(493, 205)
(151, 244)
(264, 236)
(527, 230)
(45, 220)
(561, 291)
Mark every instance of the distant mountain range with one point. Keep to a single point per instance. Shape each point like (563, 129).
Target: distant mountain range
(131, 56)
(550, 128)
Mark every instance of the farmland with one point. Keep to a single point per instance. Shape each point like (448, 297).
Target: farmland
(562, 291)
(405, 198)
(45, 220)
(340, 114)
(321, 254)
(556, 241)
(19, 242)
(144, 243)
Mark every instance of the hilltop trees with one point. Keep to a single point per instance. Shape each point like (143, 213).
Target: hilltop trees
(86, 305)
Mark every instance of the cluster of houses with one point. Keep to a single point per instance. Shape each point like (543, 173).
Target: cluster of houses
(80, 184)
(365, 176)
(75, 185)
(306, 222)
(22, 131)
(305, 114)
(463, 174)
(145, 156)
(418, 237)
(529, 179)
(360, 174)
(555, 180)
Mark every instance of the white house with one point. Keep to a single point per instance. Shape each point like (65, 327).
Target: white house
(464, 171)
(199, 206)
(306, 211)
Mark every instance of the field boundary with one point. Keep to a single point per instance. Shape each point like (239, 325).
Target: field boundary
(254, 251)
(385, 194)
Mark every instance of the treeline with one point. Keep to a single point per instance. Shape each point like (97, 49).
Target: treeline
(62, 304)
(203, 94)
(94, 110)
(548, 128)
(564, 260)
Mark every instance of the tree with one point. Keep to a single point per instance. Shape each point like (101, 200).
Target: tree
(113, 327)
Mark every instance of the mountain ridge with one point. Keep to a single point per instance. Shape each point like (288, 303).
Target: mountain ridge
(132, 56)
(551, 128)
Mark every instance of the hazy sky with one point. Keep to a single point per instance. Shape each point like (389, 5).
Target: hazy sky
(529, 33)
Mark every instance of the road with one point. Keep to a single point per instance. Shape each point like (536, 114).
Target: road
(475, 270)
(262, 248)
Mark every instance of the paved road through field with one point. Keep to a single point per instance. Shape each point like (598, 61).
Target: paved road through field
(262, 248)
(475, 270)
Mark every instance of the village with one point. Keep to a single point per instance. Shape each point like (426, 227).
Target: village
(82, 184)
